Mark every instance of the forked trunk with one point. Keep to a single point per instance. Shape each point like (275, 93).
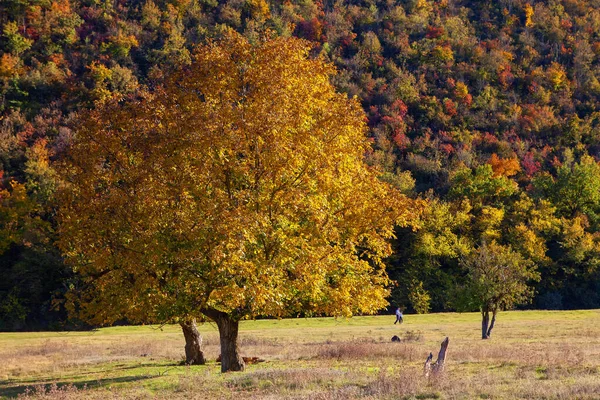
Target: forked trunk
(489, 331)
(193, 343)
(485, 320)
(231, 360)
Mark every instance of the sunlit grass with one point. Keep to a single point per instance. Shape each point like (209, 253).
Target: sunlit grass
(531, 354)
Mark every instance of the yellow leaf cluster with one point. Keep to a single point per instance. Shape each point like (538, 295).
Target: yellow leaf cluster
(489, 222)
(557, 76)
(259, 8)
(8, 65)
(528, 14)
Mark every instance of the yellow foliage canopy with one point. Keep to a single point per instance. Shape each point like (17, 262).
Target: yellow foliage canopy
(238, 185)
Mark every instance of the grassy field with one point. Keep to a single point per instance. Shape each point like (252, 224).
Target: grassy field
(532, 354)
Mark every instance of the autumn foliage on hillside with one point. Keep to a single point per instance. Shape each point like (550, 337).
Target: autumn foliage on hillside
(487, 109)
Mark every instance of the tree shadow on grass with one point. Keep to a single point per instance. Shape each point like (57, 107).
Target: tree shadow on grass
(14, 391)
(42, 381)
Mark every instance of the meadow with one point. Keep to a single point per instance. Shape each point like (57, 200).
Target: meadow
(532, 354)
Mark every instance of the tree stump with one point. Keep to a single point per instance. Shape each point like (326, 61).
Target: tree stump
(437, 367)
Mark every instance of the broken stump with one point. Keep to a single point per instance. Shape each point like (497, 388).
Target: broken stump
(437, 367)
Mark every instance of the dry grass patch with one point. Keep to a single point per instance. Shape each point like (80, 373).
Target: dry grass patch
(357, 350)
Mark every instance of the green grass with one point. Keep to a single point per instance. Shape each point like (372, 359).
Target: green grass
(532, 354)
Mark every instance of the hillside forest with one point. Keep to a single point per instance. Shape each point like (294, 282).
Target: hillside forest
(486, 111)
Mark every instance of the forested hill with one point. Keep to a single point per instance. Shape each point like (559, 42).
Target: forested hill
(488, 109)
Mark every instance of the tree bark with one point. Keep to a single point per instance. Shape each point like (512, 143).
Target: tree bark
(489, 331)
(485, 320)
(441, 360)
(231, 360)
(193, 343)
(428, 363)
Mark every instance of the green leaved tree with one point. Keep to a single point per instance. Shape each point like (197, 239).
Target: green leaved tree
(497, 279)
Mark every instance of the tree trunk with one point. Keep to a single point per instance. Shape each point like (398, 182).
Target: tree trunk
(485, 320)
(231, 360)
(193, 343)
(489, 331)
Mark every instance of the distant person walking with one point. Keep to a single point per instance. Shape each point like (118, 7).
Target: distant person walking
(399, 317)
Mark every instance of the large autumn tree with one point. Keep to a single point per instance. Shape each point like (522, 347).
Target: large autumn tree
(236, 189)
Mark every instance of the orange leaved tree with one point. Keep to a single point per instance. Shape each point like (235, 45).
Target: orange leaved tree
(235, 189)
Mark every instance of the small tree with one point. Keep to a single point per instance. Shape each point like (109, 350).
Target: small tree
(419, 297)
(498, 279)
(236, 189)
